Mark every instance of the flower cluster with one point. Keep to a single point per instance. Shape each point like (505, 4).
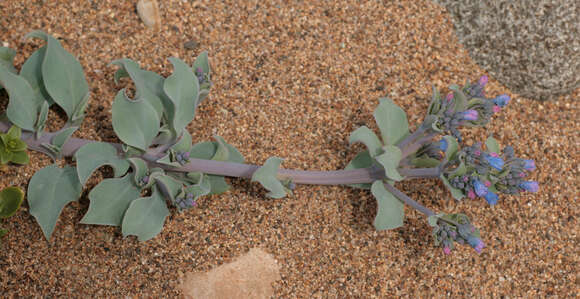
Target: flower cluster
(456, 228)
(512, 181)
(182, 157)
(185, 201)
(465, 106)
(476, 172)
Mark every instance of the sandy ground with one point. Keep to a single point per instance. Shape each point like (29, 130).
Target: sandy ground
(293, 79)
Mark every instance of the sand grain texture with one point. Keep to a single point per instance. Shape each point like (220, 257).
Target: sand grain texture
(292, 79)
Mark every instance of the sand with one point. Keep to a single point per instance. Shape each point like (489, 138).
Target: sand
(292, 79)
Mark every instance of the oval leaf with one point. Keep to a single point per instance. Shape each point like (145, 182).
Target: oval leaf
(492, 145)
(145, 217)
(390, 210)
(392, 121)
(136, 123)
(267, 176)
(24, 103)
(32, 71)
(182, 89)
(368, 138)
(10, 200)
(96, 154)
(109, 201)
(63, 77)
(49, 190)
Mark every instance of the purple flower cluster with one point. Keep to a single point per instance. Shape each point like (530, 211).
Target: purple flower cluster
(186, 201)
(461, 231)
(486, 173)
(512, 179)
(182, 157)
(466, 107)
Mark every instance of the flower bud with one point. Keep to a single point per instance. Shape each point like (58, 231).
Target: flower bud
(443, 144)
(501, 100)
(491, 198)
(470, 114)
(479, 188)
(529, 165)
(482, 80)
(495, 162)
(530, 186)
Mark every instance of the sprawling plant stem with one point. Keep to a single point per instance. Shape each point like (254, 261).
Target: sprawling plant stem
(335, 177)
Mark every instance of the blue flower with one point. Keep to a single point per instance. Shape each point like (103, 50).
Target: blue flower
(530, 186)
(501, 100)
(529, 165)
(476, 243)
(479, 187)
(495, 162)
(491, 198)
(443, 144)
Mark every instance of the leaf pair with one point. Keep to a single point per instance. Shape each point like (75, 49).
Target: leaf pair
(161, 105)
(392, 122)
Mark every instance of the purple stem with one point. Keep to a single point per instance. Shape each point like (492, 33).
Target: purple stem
(335, 177)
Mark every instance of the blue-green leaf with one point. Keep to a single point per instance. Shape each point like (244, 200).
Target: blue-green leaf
(182, 90)
(459, 97)
(7, 59)
(222, 152)
(368, 138)
(492, 145)
(49, 190)
(217, 183)
(32, 72)
(109, 201)
(148, 85)
(145, 216)
(93, 155)
(140, 170)
(392, 121)
(390, 160)
(24, 103)
(361, 160)
(390, 210)
(136, 123)
(424, 162)
(267, 176)
(63, 78)
(60, 139)
(167, 185)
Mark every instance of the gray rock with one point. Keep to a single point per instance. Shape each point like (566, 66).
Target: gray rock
(530, 46)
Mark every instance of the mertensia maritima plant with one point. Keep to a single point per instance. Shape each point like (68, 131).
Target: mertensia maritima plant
(157, 165)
